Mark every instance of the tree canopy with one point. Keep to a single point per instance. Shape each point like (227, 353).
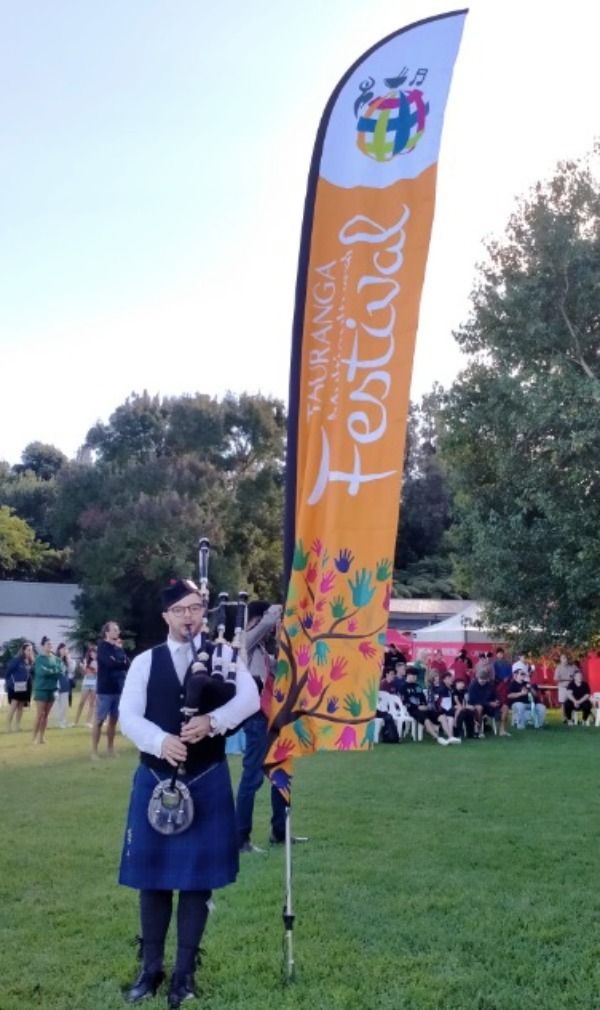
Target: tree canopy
(21, 555)
(521, 425)
(422, 563)
(163, 472)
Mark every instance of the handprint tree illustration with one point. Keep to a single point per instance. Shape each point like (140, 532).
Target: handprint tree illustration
(327, 675)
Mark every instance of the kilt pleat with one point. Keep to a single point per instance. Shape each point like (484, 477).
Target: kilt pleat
(203, 858)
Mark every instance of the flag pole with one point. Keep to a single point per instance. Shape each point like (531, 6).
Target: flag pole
(288, 913)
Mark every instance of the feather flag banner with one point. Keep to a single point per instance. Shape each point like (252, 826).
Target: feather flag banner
(365, 238)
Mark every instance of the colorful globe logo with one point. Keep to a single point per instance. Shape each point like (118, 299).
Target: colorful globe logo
(392, 124)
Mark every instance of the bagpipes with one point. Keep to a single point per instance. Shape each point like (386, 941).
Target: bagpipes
(207, 686)
(212, 686)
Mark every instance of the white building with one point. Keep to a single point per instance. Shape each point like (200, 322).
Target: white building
(33, 609)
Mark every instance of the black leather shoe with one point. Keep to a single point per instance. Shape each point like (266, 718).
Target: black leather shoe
(182, 987)
(146, 985)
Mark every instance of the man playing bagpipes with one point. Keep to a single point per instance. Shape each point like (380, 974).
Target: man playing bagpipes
(181, 828)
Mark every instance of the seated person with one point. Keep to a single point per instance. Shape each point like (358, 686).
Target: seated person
(579, 699)
(524, 700)
(389, 682)
(400, 671)
(416, 704)
(483, 698)
(444, 705)
(464, 714)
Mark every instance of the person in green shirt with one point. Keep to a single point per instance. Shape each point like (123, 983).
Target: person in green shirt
(46, 671)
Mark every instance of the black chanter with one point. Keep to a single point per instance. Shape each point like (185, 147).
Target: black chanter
(171, 808)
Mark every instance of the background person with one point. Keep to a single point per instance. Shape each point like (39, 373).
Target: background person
(483, 699)
(88, 686)
(46, 671)
(18, 683)
(563, 675)
(415, 702)
(524, 700)
(579, 698)
(263, 619)
(112, 667)
(444, 703)
(390, 682)
(64, 687)
(537, 708)
(438, 663)
(464, 714)
(463, 666)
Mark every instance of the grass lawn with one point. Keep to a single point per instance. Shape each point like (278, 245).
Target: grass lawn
(460, 878)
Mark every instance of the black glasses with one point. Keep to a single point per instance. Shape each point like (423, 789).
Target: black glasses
(194, 608)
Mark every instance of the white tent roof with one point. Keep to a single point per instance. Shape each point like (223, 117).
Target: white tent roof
(457, 628)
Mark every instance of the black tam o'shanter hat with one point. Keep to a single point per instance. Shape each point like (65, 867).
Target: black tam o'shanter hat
(175, 591)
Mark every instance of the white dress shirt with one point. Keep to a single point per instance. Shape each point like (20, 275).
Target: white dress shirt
(146, 735)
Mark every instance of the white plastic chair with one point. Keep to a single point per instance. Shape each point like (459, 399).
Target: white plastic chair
(487, 719)
(596, 708)
(378, 728)
(382, 706)
(3, 694)
(405, 723)
(383, 701)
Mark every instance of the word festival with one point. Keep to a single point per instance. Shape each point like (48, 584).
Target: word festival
(374, 295)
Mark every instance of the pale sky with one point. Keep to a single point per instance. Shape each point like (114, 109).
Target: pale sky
(153, 164)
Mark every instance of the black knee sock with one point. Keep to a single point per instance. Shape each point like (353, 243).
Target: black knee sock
(155, 915)
(192, 913)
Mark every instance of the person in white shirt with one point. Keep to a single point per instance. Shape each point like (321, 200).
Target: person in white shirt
(204, 856)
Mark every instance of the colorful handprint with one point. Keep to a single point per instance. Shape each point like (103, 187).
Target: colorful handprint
(361, 589)
(321, 652)
(301, 556)
(346, 739)
(344, 561)
(314, 683)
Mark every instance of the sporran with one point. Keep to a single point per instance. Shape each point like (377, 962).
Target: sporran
(171, 808)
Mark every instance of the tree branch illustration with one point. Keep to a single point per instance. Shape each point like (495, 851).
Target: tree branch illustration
(333, 718)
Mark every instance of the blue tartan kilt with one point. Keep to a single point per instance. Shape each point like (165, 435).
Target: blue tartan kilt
(202, 858)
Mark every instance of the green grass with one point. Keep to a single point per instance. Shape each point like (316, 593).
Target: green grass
(435, 879)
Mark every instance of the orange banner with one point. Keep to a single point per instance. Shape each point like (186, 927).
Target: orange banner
(366, 237)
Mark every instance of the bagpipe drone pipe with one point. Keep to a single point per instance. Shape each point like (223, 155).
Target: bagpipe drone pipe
(212, 676)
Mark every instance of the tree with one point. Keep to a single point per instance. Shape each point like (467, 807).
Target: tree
(163, 472)
(42, 459)
(422, 565)
(21, 555)
(32, 498)
(521, 425)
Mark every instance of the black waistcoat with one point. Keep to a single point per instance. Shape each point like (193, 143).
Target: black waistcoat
(164, 700)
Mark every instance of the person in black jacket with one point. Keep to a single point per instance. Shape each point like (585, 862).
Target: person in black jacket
(416, 704)
(18, 683)
(112, 667)
(579, 699)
